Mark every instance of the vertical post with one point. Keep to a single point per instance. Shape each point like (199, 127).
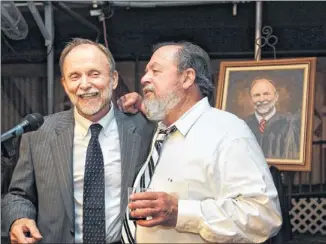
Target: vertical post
(258, 26)
(48, 14)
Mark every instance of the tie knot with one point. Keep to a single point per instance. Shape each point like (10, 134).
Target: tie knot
(168, 130)
(95, 129)
(164, 133)
(262, 121)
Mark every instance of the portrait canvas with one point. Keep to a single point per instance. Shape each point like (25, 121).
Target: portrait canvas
(275, 98)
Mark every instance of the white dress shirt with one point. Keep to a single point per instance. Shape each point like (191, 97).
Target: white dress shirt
(109, 141)
(215, 167)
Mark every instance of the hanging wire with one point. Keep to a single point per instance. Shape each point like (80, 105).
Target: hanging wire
(104, 33)
(103, 19)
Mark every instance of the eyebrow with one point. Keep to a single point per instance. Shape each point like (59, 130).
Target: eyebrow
(72, 73)
(152, 65)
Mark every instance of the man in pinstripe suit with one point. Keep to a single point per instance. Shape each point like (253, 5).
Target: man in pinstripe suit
(45, 199)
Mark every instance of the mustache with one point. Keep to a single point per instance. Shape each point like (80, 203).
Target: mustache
(263, 103)
(148, 88)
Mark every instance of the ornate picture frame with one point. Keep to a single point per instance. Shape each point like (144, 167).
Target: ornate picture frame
(276, 100)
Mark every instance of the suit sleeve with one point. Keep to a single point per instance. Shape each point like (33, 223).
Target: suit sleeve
(20, 202)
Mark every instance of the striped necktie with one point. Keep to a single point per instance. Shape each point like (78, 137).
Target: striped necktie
(262, 124)
(144, 178)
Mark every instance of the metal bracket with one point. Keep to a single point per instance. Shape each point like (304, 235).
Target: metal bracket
(38, 19)
(266, 39)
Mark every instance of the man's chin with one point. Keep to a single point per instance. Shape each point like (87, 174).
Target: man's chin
(154, 118)
(264, 112)
(88, 111)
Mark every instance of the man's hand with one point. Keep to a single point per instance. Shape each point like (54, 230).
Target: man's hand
(162, 207)
(20, 228)
(131, 103)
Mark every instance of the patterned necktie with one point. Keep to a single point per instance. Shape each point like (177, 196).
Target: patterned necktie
(129, 227)
(94, 201)
(262, 126)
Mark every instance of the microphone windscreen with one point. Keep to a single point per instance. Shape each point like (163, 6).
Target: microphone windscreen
(35, 121)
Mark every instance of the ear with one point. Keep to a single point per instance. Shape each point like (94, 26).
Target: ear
(115, 79)
(63, 82)
(190, 76)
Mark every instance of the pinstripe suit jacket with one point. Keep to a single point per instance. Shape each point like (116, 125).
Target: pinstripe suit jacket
(42, 183)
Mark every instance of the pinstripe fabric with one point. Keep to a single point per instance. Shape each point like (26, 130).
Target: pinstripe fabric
(42, 184)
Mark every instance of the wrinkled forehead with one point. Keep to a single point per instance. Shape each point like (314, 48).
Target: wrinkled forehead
(86, 53)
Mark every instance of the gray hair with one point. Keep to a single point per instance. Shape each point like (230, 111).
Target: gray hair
(193, 56)
(80, 41)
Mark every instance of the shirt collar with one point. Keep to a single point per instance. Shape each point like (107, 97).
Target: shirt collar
(259, 118)
(188, 119)
(83, 124)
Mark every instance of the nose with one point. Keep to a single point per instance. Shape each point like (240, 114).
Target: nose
(84, 84)
(266, 98)
(146, 79)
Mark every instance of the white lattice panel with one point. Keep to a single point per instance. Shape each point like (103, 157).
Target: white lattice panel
(308, 215)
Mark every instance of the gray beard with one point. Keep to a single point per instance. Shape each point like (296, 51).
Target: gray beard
(265, 108)
(158, 108)
(106, 97)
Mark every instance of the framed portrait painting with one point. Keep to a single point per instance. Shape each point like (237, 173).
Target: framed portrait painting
(276, 100)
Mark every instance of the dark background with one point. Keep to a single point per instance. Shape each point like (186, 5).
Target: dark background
(299, 26)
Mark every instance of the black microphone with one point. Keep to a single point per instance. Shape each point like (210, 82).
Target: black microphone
(30, 123)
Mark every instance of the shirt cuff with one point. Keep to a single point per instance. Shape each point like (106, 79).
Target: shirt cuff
(189, 216)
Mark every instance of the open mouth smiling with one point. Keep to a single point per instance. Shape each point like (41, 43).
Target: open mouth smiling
(89, 95)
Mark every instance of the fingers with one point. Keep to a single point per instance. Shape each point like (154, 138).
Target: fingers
(142, 204)
(18, 237)
(145, 196)
(143, 109)
(130, 103)
(152, 222)
(35, 233)
(20, 228)
(144, 212)
(162, 207)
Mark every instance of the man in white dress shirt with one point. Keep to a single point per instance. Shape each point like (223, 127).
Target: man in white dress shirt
(212, 183)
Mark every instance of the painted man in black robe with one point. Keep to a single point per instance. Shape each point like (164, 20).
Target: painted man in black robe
(277, 133)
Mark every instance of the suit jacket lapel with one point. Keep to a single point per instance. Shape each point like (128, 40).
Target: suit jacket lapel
(62, 150)
(130, 142)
